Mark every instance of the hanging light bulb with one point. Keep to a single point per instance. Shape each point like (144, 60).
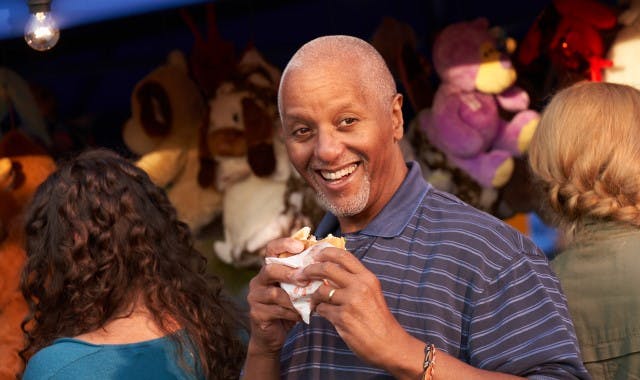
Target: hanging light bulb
(41, 31)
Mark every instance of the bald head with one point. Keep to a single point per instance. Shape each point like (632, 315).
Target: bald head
(349, 54)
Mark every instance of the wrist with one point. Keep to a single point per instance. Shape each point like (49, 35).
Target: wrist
(406, 360)
(259, 350)
(261, 363)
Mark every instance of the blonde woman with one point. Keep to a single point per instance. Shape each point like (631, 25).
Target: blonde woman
(586, 155)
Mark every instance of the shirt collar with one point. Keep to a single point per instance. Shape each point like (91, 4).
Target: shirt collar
(395, 216)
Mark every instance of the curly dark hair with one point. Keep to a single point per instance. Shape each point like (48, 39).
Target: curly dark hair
(99, 235)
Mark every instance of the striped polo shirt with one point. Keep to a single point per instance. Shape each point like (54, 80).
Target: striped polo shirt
(455, 277)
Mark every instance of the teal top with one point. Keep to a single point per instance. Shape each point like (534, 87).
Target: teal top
(69, 358)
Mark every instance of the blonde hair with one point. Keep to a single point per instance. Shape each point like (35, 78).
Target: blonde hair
(352, 52)
(586, 153)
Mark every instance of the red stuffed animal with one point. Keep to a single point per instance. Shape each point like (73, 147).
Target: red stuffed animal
(569, 33)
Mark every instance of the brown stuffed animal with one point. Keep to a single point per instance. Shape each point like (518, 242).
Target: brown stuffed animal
(23, 166)
(238, 140)
(167, 112)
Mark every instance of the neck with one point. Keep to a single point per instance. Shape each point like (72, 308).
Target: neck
(136, 325)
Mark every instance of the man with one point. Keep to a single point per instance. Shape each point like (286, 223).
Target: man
(423, 273)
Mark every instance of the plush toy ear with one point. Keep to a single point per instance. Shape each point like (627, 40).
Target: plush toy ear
(177, 60)
(529, 48)
(396, 42)
(155, 108)
(213, 59)
(259, 135)
(208, 165)
(207, 171)
(414, 72)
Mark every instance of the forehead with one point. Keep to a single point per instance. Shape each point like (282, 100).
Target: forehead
(323, 83)
(326, 69)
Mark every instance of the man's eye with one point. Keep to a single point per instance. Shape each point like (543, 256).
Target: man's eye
(348, 121)
(300, 132)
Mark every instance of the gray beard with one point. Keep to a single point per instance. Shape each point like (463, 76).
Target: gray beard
(351, 206)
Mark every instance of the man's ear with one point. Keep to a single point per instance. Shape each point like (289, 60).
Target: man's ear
(397, 118)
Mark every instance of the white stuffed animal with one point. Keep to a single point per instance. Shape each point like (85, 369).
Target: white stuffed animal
(625, 49)
(255, 212)
(250, 163)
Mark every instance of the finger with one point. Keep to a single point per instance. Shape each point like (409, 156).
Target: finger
(270, 303)
(329, 283)
(269, 295)
(325, 295)
(262, 312)
(334, 274)
(287, 244)
(274, 274)
(340, 256)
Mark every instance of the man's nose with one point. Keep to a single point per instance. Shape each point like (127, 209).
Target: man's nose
(328, 144)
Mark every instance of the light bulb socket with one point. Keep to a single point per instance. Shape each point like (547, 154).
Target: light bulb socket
(36, 6)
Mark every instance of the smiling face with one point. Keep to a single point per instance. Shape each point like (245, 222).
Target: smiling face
(342, 136)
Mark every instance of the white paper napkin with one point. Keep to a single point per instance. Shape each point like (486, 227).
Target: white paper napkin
(300, 295)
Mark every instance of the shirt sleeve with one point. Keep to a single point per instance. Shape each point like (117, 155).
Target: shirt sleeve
(39, 367)
(521, 324)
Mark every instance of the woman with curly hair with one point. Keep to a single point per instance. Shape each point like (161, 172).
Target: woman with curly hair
(115, 287)
(586, 155)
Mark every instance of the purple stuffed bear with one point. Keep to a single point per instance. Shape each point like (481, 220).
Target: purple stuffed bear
(477, 86)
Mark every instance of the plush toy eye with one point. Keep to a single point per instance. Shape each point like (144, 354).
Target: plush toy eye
(488, 51)
(236, 118)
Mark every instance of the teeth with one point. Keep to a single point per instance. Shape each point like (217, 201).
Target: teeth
(338, 174)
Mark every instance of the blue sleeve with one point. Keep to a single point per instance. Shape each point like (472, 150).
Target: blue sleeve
(40, 366)
(521, 323)
(51, 361)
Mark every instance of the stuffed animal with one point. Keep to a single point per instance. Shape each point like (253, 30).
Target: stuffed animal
(397, 43)
(24, 164)
(568, 33)
(476, 89)
(625, 48)
(18, 104)
(167, 112)
(242, 154)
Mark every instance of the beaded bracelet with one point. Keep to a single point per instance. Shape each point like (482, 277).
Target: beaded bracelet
(429, 362)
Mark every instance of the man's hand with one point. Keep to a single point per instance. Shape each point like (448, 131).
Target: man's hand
(271, 312)
(357, 307)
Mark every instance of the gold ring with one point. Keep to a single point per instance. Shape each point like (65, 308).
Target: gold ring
(331, 293)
